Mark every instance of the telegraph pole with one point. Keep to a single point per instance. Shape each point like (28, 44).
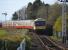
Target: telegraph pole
(5, 44)
(64, 22)
(5, 15)
(64, 34)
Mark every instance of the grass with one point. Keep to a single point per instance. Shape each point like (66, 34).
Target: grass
(14, 36)
(3, 33)
(55, 38)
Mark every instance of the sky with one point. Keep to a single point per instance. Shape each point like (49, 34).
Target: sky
(10, 6)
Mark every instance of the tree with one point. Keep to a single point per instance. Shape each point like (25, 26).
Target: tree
(58, 25)
(43, 11)
(15, 16)
(37, 3)
(55, 12)
(29, 10)
(35, 8)
(29, 4)
(32, 9)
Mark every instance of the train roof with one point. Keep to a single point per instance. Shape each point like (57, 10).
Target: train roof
(18, 21)
(39, 19)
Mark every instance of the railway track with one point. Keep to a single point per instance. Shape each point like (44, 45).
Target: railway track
(37, 43)
(46, 43)
(51, 45)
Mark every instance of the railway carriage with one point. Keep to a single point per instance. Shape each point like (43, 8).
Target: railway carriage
(22, 24)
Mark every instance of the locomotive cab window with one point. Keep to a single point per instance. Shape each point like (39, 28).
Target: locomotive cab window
(39, 23)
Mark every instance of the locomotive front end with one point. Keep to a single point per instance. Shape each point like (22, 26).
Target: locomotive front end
(40, 26)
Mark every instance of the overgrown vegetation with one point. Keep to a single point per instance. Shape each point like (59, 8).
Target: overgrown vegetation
(12, 41)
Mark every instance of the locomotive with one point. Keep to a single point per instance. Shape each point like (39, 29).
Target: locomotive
(39, 26)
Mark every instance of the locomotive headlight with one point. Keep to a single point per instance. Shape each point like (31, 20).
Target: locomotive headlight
(40, 27)
(34, 27)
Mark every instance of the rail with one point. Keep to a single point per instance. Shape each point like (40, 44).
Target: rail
(47, 43)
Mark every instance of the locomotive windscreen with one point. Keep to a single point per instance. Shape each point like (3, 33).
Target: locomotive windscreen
(40, 23)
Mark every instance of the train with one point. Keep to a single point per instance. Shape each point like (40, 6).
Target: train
(38, 25)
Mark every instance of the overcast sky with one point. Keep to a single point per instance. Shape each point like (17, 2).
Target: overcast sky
(10, 6)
